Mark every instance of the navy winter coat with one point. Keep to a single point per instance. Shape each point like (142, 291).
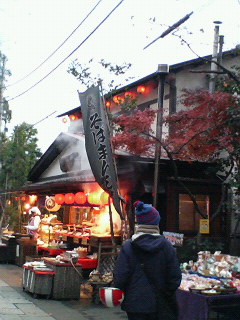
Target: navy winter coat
(161, 262)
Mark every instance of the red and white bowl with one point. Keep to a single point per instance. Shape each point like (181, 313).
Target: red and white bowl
(111, 297)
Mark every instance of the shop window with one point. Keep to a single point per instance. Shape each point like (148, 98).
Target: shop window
(188, 216)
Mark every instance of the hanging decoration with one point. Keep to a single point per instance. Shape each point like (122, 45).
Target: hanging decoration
(94, 198)
(33, 199)
(51, 204)
(80, 198)
(104, 198)
(69, 198)
(59, 198)
(108, 104)
(141, 89)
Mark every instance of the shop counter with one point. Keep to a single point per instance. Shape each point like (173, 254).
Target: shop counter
(67, 279)
(194, 306)
(88, 263)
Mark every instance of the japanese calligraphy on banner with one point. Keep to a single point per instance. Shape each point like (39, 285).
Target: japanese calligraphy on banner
(97, 143)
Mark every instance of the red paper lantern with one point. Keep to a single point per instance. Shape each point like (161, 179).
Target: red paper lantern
(94, 198)
(104, 198)
(130, 95)
(73, 117)
(69, 198)
(118, 99)
(141, 89)
(59, 198)
(108, 104)
(80, 198)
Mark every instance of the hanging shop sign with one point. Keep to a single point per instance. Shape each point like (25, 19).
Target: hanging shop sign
(176, 239)
(97, 143)
(51, 204)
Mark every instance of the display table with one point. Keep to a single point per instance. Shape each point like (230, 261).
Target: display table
(51, 251)
(194, 306)
(67, 279)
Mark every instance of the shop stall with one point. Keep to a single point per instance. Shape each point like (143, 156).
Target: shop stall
(76, 241)
(77, 225)
(210, 285)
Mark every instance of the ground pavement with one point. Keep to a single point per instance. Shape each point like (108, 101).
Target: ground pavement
(15, 304)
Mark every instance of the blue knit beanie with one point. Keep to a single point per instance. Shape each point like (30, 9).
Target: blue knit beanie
(146, 213)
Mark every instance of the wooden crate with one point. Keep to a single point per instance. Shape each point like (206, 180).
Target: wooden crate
(38, 283)
(67, 279)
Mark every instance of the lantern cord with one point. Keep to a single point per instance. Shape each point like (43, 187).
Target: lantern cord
(90, 34)
(12, 84)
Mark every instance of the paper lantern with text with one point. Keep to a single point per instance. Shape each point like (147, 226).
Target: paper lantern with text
(69, 198)
(59, 198)
(104, 198)
(94, 198)
(80, 198)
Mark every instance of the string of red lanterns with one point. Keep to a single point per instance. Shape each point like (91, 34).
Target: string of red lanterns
(93, 198)
(118, 99)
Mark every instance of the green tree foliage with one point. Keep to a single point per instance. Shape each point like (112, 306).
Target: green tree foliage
(19, 153)
(5, 112)
(86, 76)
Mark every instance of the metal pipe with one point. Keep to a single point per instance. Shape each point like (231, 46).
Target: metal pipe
(214, 57)
(163, 71)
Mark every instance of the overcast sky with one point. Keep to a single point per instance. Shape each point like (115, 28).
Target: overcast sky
(30, 30)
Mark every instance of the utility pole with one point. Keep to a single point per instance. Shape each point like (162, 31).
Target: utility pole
(214, 67)
(163, 70)
(3, 62)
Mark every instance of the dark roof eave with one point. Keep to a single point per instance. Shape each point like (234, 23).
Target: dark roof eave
(174, 68)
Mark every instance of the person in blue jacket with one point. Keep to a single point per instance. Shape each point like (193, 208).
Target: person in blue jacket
(147, 270)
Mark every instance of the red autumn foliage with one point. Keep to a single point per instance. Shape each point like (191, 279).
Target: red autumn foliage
(131, 132)
(205, 128)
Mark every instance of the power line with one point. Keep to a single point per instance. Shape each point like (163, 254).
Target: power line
(56, 48)
(43, 119)
(69, 54)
